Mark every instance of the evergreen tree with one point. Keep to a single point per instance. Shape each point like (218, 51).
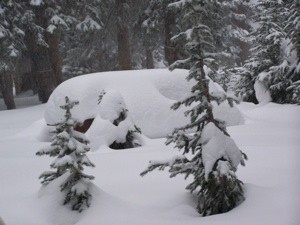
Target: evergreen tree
(273, 59)
(11, 46)
(70, 148)
(292, 15)
(215, 156)
(86, 47)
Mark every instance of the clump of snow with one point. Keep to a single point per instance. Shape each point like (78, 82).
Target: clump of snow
(36, 2)
(103, 130)
(217, 145)
(148, 95)
(262, 93)
(111, 105)
(88, 24)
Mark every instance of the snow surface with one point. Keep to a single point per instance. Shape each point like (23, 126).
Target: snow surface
(270, 138)
(148, 95)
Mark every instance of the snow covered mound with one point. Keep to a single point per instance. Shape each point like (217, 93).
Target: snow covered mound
(148, 95)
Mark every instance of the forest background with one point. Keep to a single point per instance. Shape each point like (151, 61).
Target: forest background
(44, 42)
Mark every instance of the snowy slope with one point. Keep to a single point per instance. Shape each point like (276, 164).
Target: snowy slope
(270, 138)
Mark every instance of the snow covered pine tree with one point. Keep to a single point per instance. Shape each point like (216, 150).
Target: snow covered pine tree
(214, 155)
(70, 148)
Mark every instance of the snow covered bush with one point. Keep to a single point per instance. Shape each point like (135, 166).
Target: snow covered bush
(70, 148)
(212, 156)
(113, 108)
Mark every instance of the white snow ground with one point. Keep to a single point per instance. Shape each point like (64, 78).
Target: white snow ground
(270, 138)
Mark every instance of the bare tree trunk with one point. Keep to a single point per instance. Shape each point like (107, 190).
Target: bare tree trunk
(124, 54)
(149, 55)
(41, 69)
(170, 51)
(41, 64)
(149, 58)
(6, 85)
(55, 57)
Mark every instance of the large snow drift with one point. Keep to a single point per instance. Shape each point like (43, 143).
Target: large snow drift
(148, 95)
(270, 138)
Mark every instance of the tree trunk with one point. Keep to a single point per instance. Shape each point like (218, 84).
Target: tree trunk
(124, 55)
(169, 48)
(148, 44)
(41, 69)
(149, 58)
(6, 85)
(55, 57)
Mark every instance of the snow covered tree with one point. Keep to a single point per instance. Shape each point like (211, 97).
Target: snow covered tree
(11, 45)
(213, 156)
(292, 15)
(70, 148)
(273, 60)
(85, 48)
(113, 108)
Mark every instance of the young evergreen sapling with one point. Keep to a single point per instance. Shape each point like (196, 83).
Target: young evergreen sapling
(70, 148)
(214, 155)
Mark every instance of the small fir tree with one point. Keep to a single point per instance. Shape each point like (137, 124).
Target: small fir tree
(70, 148)
(214, 155)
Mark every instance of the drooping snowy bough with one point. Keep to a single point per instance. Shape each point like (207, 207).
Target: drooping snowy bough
(70, 148)
(212, 156)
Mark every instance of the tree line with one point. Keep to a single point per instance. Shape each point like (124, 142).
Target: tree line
(44, 42)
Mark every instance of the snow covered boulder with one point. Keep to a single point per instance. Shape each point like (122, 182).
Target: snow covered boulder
(148, 95)
(114, 126)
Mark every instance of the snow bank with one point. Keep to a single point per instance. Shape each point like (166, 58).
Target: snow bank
(148, 95)
(271, 142)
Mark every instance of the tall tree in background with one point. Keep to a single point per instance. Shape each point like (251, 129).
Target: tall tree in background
(214, 155)
(169, 18)
(85, 49)
(273, 61)
(11, 46)
(124, 53)
(292, 15)
(157, 26)
(43, 42)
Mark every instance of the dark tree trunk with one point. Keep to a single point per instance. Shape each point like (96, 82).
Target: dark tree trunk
(124, 54)
(169, 48)
(6, 86)
(148, 45)
(41, 65)
(55, 57)
(149, 58)
(41, 69)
